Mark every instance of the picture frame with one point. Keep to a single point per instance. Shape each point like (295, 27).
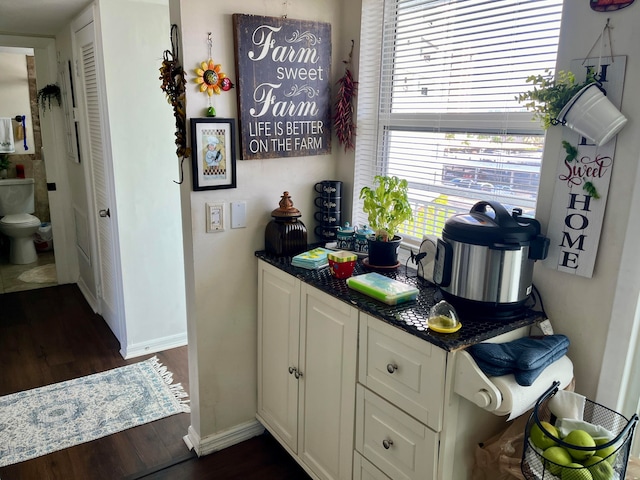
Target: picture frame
(213, 153)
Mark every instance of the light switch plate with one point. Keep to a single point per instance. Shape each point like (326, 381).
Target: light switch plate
(215, 217)
(238, 214)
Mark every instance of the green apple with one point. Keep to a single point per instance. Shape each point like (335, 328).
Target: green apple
(605, 453)
(558, 457)
(600, 469)
(575, 471)
(580, 438)
(540, 438)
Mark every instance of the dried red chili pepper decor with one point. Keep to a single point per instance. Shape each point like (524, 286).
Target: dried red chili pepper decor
(343, 122)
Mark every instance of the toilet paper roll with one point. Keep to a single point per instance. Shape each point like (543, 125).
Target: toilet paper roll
(517, 399)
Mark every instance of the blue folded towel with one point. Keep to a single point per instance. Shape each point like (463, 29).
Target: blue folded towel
(526, 357)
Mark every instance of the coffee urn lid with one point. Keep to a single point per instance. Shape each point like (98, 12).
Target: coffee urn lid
(286, 209)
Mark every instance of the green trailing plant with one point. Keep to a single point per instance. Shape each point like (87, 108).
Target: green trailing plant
(48, 93)
(4, 161)
(386, 205)
(550, 94)
(572, 155)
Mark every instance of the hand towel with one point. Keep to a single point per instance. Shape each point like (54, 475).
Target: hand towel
(6, 136)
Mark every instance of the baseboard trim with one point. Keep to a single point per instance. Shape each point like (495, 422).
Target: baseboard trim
(222, 440)
(153, 346)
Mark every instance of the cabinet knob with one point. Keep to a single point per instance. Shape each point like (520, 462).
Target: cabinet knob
(291, 370)
(391, 367)
(386, 443)
(297, 374)
(294, 371)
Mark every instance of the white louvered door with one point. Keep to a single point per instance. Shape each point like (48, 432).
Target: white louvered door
(98, 181)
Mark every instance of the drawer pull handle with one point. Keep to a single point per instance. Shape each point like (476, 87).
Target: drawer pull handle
(387, 443)
(391, 367)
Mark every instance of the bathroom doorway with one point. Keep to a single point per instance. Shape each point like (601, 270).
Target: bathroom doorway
(19, 102)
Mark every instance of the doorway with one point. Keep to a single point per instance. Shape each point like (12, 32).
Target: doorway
(19, 100)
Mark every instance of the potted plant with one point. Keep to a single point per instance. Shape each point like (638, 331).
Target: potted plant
(4, 165)
(48, 93)
(581, 106)
(387, 207)
(550, 94)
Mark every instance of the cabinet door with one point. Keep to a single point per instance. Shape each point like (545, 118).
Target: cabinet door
(329, 332)
(278, 342)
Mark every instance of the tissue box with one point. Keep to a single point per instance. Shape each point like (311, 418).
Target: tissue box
(341, 263)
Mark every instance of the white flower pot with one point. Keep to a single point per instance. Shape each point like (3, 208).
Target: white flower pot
(592, 115)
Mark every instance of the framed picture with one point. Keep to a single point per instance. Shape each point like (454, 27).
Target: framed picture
(213, 153)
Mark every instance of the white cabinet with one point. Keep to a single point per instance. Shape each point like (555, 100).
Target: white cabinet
(307, 354)
(351, 396)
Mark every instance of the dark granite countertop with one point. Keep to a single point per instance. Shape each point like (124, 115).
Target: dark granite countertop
(411, 316)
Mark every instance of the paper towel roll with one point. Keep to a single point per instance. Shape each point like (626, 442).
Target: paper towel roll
(517, 399)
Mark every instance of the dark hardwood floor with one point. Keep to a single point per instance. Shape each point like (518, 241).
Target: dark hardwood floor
(51, 335)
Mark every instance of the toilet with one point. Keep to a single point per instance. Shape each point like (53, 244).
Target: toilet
(16, 205)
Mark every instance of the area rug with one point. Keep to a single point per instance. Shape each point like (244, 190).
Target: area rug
(46, 419)
(41, 274)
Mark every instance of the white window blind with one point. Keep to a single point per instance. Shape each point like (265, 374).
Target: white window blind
(436, 102)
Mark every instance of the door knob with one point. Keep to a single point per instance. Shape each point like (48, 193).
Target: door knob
(104, 213)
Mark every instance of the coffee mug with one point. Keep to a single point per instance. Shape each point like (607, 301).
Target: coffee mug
(329, 188)
(328, 204)
(328, 219)
(327, 233)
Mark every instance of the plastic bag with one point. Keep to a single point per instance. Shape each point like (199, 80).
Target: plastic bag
(43, 238)
(499, 457)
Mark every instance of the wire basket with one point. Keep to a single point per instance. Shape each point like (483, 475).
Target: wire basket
(535, 467)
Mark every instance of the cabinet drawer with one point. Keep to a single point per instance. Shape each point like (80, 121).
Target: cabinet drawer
(393, 441)
(363, 469)
(404, 369)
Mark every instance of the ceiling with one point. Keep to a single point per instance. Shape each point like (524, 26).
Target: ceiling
(38, 17)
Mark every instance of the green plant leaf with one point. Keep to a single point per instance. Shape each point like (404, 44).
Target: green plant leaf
(386, 205)
(572, 152)
(591, 189)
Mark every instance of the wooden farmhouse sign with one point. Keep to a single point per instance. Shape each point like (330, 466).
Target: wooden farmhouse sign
(283, 69)
(577, 214)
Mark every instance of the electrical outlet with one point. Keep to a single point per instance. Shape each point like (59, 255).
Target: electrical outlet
(215, 217)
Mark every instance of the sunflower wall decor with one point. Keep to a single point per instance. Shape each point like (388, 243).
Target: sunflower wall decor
(211, 79)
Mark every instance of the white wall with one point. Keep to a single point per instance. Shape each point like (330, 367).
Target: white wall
(145, 166)
(223, 269)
